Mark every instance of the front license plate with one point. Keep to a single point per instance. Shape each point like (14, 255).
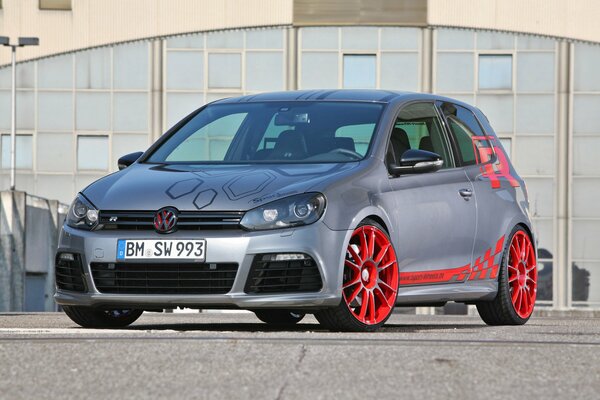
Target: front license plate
(161, 249)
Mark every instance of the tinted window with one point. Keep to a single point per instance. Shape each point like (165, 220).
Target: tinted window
(466, 131)
(303, 131)
(418, 127)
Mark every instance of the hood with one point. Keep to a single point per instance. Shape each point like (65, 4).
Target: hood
(142, 187)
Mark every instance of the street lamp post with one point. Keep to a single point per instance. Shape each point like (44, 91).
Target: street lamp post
(23, 41)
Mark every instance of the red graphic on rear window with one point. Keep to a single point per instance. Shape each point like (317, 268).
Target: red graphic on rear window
(484, 267)
(493, 171)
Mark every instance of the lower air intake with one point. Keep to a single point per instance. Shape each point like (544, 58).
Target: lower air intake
(283, 273)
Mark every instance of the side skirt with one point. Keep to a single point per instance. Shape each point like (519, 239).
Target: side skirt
(460, 292)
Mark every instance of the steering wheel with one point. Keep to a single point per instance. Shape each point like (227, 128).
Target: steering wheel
(352, 154)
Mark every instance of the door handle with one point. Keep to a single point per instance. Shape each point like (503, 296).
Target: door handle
(466, 193)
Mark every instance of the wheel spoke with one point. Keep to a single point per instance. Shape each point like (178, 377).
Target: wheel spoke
(514, 295)
(355, 255)
(352, 283)
(523, 247)
(381, 282)
(372, 307)
(514, 254)
(350, 264)
(353, 295)
(514, 278)
(364, 304)
(382, 295)
(379, 269)
(382, 253)
(371, 253)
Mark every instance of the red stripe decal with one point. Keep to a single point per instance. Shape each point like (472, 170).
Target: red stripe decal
(483, 268)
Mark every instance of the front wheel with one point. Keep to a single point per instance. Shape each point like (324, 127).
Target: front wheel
(279, 317)
(517, 283)
(370, 282)
(89, 317)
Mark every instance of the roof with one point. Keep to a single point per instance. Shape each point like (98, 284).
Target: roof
(381, 96)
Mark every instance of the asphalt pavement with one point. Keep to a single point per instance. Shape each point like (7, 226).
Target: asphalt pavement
(235, 356)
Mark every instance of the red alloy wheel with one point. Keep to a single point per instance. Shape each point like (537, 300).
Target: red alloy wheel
(522, 274)
(370, 275)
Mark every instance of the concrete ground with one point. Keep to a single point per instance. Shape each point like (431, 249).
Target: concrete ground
(234, 356)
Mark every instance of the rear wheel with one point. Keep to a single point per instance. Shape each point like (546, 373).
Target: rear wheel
(370, 282)
(89, 317)
(279, 317)
(517, 283)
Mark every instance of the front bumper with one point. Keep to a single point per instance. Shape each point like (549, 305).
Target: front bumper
(324, 245)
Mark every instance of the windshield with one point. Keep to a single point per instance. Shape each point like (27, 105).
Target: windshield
(273, 132)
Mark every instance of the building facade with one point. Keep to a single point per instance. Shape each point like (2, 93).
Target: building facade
(109, 79)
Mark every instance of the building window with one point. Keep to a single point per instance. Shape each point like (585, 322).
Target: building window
(225, 70)
(55, 5)
(495, 72)
(24, 152)
(359, 71)
(92, 153)
(507, 144)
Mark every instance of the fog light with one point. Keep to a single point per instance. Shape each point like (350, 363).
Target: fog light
(285, 257)
(67, 257)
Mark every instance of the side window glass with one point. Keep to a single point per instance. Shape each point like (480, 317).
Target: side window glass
(418, 127)
(473, 145)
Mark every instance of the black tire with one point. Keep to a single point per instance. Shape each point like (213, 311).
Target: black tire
(89, 317)
(340, 318)
(279, 317)
(501, 311)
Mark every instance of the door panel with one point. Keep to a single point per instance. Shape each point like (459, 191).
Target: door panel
(435, 213)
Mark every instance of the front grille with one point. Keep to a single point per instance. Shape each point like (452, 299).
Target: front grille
(69, 273)
(268, 276)
(164, 278)
(187, 220)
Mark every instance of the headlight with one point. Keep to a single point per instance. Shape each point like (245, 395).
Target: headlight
(82, 214)
(302, 209)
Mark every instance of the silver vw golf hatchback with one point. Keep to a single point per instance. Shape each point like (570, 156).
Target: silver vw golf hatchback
(341, 203)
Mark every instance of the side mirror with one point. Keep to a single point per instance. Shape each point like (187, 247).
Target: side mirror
(129, 159)
(415, 161)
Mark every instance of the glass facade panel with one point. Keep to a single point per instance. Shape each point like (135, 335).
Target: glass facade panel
(55, 72)
(528, 42)
(93, 69)
(185, 70)
(454, 72)
(92, 111)
(4, 109)
(59, 187)
(92, 153)
(123, 144)
(54, 152)
(586, 282)
(130, 112)
(540, 164)
(495, 72)
(585, 239)
(55, 111)
(360, 71)
(400, 71)
(224, 70)
(535, 72)
(319, 70)
(495, 41)
(359, 38)
(26, 75)
(499, 110)
(195, 41)
(455, 39)
(264, 71)
(131, 70)
(587, 59)
(586, 192)
(5, 78)
(26, 110)
(225, 40)
(24, 151)
(181, 104)
(535, 113)
(320, 38)
(541, 196)
(400, 39)
(586, 118)
(264, 39)
(585, 155)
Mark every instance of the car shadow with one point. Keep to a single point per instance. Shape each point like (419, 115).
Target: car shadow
(261, 327)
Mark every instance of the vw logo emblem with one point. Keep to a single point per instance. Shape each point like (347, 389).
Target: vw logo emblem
(165, 220)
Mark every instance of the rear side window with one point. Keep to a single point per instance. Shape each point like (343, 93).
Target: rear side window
(469, 136)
